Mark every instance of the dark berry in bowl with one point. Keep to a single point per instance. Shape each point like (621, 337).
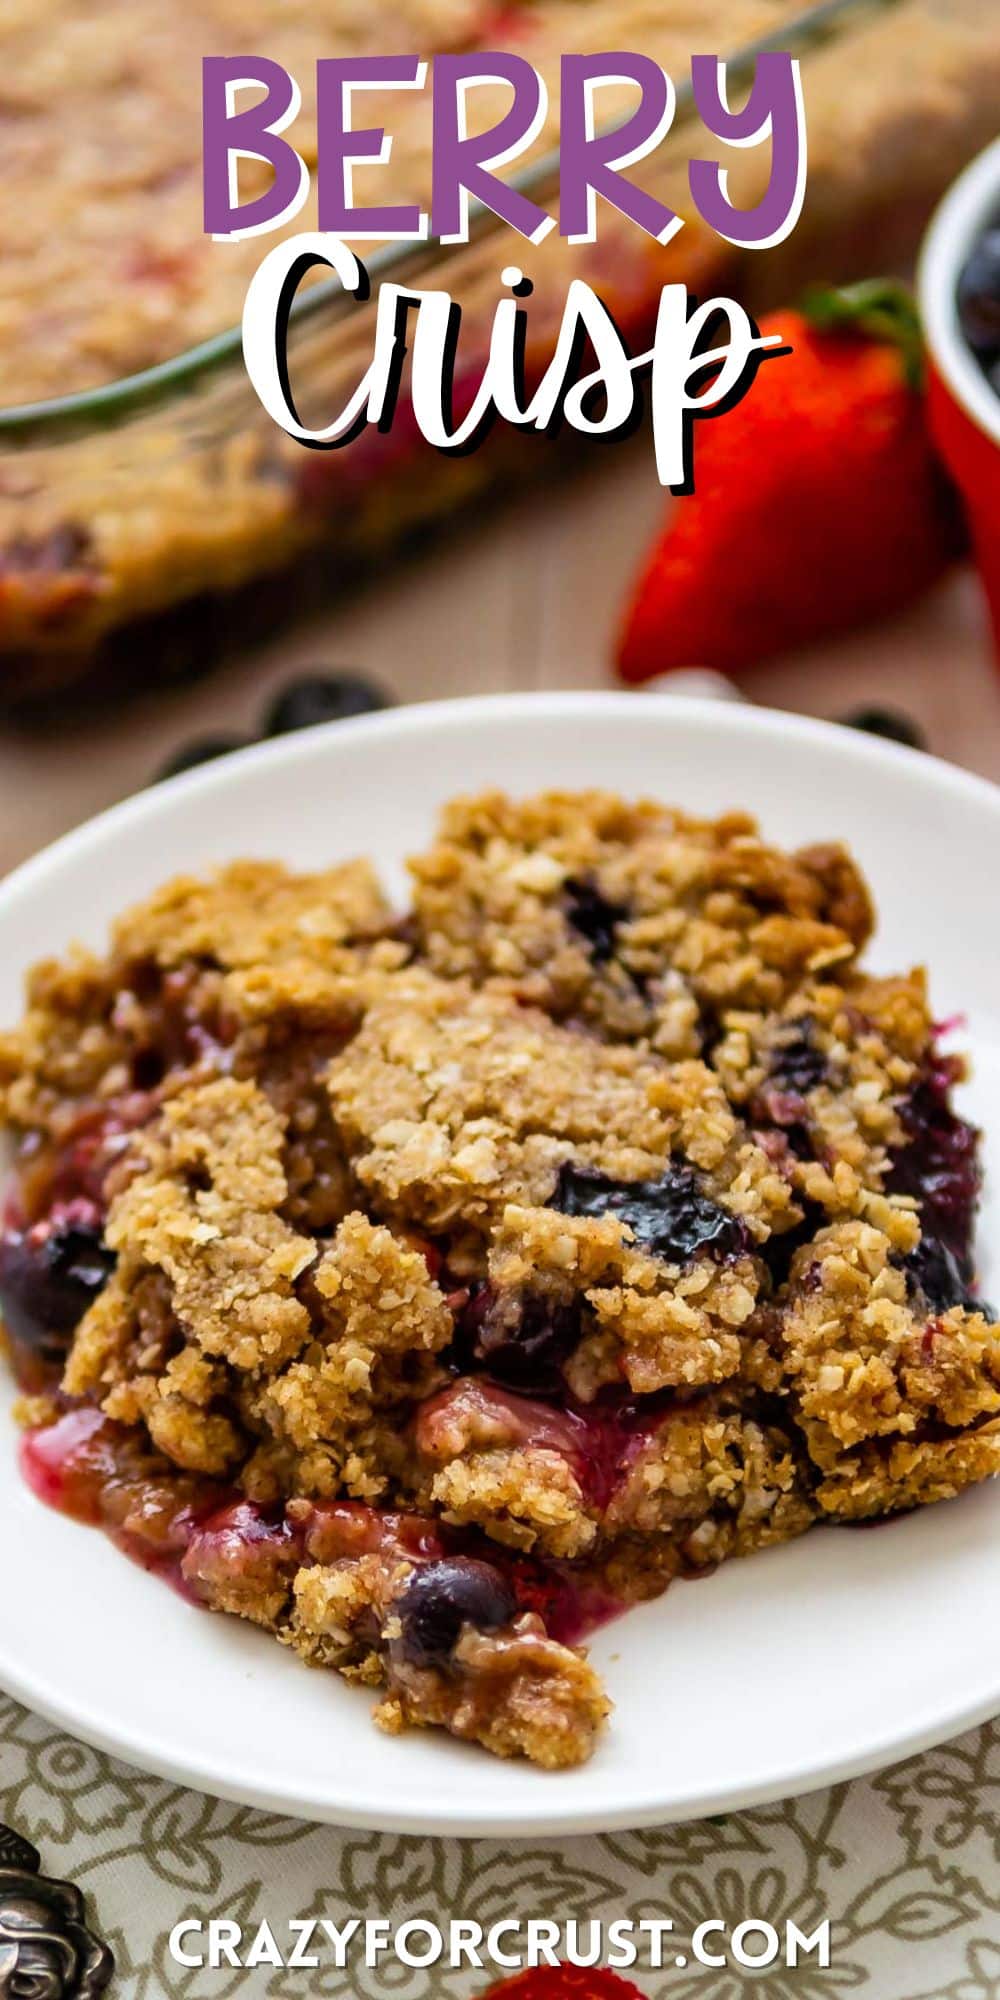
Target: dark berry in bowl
(592, 915)
(441, 1598)
(979, 296)
(204, 750)
(889, 723)
(48, 1278)
(316, 698)
(671, 1216)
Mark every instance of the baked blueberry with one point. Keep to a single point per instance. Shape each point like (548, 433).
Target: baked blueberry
(798, 1064)
(671, 1216)
(522, 1341)
(944, 1279)
(940, 1165)
(443, 1597)
(593, 915)
(47, 1281)
(316, 698)
(204, 750)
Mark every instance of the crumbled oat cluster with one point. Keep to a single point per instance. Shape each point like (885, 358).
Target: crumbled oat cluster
(426, 1291)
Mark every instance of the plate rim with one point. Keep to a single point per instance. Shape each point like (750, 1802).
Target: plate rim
(509, 1822)
(418, 717)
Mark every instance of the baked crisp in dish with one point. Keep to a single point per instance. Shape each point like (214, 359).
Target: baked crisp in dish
(428, 1291)
(161, 533)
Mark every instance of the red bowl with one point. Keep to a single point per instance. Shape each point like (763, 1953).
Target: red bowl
(964, 408)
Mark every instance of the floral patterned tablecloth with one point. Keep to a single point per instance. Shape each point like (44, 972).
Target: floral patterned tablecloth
(906, 1865)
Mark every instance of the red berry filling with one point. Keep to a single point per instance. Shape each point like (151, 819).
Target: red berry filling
(211, 1544)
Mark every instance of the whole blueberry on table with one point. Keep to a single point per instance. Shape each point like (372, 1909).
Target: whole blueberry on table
(887, 722)
(316, 698)
(979, 296)
(203, 750)
(442, 1597)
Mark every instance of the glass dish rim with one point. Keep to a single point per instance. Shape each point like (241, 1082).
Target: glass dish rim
(126, 395)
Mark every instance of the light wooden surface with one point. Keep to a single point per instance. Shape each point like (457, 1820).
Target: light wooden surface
(526, 598)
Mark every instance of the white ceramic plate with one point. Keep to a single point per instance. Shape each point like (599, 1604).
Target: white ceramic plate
(805, 1665)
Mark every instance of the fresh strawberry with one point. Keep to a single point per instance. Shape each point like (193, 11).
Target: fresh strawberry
(568, 1982)
(818, 504)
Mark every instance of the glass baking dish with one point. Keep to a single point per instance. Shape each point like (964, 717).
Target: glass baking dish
(149, 526)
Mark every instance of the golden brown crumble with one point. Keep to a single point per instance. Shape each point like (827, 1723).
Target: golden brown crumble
(254, 914)
(637, 918)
